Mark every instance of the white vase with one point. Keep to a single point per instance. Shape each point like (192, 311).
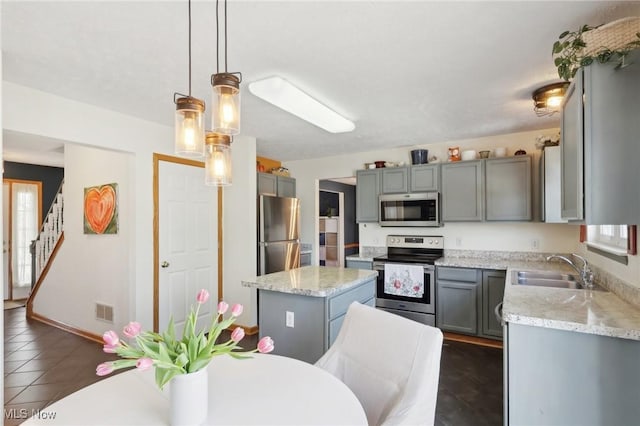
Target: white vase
(189, 398)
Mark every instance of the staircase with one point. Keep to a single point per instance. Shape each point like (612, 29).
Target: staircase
(50, 233)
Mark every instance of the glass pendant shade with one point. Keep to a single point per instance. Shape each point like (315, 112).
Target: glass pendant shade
(548, 99)
(217, 163)
(189, 125)
(225, 104)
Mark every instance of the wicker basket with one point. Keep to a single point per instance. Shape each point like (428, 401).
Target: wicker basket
(613, 35)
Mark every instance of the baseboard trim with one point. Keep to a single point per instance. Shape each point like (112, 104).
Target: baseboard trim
(66, 327)
(473, 340)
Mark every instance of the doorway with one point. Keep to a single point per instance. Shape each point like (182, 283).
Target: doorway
(22, 218)
(336, 221)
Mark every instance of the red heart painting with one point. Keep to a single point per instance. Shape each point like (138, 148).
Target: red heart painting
(99, 208)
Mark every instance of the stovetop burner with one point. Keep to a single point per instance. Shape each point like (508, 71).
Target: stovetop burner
(413, 249)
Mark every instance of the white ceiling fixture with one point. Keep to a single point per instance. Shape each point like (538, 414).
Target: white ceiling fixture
(284, 95)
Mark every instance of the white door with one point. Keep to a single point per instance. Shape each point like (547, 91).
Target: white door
(187, 243)
(6, 244)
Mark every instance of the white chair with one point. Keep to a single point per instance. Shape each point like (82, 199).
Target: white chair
(392, 364)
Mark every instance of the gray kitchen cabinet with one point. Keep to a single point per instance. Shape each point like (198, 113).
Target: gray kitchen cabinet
(367, 192)
(424, 178)
(395, 180)
(458, 299)
(492, 295)
(317, 320)
(560, 377)
(281, 186)
(462, 191)
(359, 264)
(508, 189)
(600, 148)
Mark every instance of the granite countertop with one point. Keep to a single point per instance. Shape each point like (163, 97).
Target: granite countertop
(360, 257)
(584, 311)
(316, 281)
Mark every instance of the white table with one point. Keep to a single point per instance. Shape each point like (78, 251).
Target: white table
(264, 390)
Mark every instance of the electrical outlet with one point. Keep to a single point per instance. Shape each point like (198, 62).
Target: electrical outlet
(458, 242)
(289, 319)
(535, 243)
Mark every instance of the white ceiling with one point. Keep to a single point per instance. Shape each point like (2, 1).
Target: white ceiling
(406, 72)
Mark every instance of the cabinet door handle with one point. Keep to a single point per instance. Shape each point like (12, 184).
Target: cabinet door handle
(498, 312)
(164, 264)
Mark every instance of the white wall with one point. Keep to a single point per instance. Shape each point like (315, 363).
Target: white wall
(239, 230)
(91, 269)
(34, 112)
(629, 273)
(478, 236)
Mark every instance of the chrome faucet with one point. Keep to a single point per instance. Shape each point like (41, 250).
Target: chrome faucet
(585, 273)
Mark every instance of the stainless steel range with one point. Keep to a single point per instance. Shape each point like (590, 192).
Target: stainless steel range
(406, 276)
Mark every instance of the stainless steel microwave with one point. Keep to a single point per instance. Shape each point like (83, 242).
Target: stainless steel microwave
(419, 209)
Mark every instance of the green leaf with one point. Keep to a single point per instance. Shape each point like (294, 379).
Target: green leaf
(564, 34)
(181, 360)
(587, 60)
(557, 47)
(557, 61)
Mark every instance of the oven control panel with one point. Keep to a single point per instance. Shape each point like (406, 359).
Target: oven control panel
(415, 241)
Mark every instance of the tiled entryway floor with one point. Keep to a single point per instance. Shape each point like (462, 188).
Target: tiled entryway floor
(44, 364)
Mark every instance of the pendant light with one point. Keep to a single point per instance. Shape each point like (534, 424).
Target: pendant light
(217, 161)
(189, 122)
(225, 105)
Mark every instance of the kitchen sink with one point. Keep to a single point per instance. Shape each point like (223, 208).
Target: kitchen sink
(549, 279)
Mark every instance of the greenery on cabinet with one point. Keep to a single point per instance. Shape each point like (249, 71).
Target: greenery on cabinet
(570, 53)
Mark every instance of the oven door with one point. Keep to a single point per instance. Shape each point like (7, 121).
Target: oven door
(424, 302)
(410, 209)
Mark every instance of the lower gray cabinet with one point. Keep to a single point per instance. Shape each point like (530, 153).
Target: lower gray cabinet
(458, 295)
(316, 320)
(359, 264)
(466, 301)
(492, 295)
(560, 377)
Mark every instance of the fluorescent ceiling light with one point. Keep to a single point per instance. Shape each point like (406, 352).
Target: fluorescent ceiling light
(283, 94)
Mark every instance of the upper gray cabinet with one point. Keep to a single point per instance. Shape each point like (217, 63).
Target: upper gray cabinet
(462, 189)
(508, 189)
(367, 192)
(281, 186)
(600, 149)
(425, 177)
(395, 180)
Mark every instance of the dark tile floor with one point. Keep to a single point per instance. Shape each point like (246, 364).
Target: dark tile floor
(44, 364)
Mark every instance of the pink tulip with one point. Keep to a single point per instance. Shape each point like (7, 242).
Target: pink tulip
(132, 329)
(265, 345)
(236, 311)
(110, 349)
(222, 307)
(144, 364)
(238, 334)
(111, 338)
(203, 296)
(104, 369)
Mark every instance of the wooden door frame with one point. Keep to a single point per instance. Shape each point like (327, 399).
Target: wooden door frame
(156, 230)
(9, 238)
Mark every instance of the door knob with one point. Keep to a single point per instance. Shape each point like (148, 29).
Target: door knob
(164, 264)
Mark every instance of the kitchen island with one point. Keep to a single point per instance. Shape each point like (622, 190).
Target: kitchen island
(303, 309)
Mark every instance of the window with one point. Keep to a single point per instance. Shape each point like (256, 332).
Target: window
(611, 236)
(25, 206)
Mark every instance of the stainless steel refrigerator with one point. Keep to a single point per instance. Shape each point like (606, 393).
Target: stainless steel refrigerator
(278, 234)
